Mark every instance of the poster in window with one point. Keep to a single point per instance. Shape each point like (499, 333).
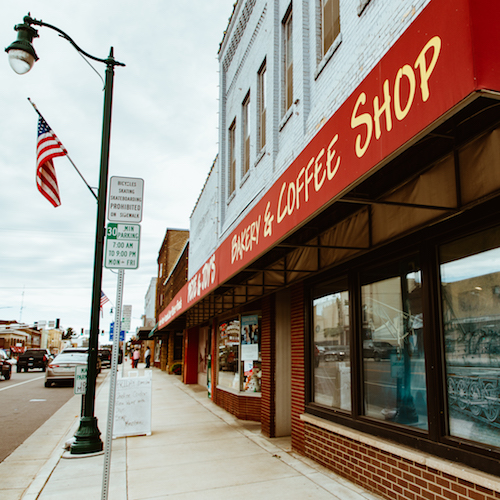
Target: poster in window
(250, 338)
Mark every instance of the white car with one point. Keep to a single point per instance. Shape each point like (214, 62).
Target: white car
(62, 367)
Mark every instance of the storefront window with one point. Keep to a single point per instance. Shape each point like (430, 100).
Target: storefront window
(250, 354)
(470, 289)
(393, 353)
(239, 354)
(332, 366)
(229, 342)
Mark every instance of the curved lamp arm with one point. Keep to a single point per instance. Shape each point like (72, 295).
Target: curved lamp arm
(22, 54)
(110, 60)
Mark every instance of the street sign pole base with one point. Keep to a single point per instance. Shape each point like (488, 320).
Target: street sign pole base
(87, 437)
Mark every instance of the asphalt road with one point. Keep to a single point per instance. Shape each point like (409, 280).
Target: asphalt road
(25, 404)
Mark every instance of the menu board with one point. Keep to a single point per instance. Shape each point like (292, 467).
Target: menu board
(133, 406)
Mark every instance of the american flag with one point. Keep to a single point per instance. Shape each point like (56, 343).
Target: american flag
(48, 147)
(104, 299)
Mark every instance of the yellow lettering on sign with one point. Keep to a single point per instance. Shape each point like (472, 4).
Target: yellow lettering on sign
(425, 65)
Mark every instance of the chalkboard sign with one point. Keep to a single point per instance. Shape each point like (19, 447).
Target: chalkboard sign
(133, 405)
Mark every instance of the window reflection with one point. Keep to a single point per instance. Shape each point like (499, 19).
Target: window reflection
(470, 289)
(229, 342)
(393, 354)
(332, 367)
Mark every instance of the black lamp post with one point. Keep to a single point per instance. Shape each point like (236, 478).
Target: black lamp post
(22, 56)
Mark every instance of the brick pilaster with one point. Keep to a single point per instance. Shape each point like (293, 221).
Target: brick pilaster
(298, 370)
(268, 352)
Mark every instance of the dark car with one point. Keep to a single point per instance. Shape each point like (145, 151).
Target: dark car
(5, 368)
(33, 358)
(336, 353)
(378, 350)
(106, 357)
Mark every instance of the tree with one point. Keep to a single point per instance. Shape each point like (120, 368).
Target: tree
(69, 333)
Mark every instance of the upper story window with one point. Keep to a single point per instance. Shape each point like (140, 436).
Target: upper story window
(245, 116)
(261, 92)
(330, 24)
(288, 62)
(232, 157)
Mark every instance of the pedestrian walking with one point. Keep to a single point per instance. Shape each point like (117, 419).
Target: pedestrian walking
(148, 357)
(135, 357)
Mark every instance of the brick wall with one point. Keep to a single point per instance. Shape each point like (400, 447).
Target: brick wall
(268, 352)
(298, 371)
(170, 351)
(392, 476)
(164, 353)
(242, 407)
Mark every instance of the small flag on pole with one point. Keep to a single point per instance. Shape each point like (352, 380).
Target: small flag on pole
(104, 299)
(48, 147)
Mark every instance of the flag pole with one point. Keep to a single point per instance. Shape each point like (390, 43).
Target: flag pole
(67, 155)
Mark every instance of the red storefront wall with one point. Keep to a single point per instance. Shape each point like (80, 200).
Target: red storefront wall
(190, 371)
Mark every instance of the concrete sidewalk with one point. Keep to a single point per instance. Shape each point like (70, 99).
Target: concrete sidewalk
(196, 451)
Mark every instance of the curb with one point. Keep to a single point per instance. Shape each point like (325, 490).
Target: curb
(43, 475)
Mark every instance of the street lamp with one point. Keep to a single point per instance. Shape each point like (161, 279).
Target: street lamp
(22, 56)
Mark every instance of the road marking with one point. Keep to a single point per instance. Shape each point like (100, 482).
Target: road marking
(21, 383)
(36, 400)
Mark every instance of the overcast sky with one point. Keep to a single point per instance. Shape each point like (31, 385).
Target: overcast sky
(164, 130)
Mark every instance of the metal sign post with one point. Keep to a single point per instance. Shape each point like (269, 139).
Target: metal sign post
(112, 392)
(122, 252)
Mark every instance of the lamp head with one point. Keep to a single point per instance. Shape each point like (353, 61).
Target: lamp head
(22, 55)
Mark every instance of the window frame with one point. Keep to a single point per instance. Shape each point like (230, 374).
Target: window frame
(232, 158)
(335, 30)
(245, 134)
(287, 33)
(338, 285)
(261, 105)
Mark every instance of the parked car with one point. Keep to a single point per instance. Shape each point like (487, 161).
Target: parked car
(336, 353)
(33, 358)
(5, 368)
(378, 350)
(6, 355)
(62, 367)
(82, 350)
(106, 357)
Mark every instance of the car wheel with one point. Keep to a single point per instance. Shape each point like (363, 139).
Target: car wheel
(18, 369)
(44, 369)
(376, 357)
(47, 383)
(7, 376)
(26, 370)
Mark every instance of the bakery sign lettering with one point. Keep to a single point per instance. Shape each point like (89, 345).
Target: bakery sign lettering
(368, 118)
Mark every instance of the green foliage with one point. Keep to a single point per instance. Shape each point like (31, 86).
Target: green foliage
(176, 368)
